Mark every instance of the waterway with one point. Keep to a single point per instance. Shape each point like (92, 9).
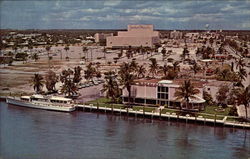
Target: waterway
(39, 134)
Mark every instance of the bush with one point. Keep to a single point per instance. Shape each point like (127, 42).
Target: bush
(233, 111)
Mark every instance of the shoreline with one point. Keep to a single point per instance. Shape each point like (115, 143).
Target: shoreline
(158, 116)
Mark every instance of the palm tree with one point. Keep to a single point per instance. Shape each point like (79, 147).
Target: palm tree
(185, 52)
(69, 88)
(66, 48)
(195, 68)
(240, 63)
(176, 66)
(243, 97)
(242, 73)
(50, 81)
(37, 82)
(164, 69)
(48, 50)
(153, 67)
(85, 50)
(35, 56)
(186, 92)
(77, 74)
(141, 71)
(127, 80)
(134, 66)
(90, 72)
(111, 87)
(125, 67)
(163, 51)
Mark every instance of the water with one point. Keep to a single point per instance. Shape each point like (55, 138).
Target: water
(39, 134)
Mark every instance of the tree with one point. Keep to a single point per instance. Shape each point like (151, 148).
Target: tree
(163, 51)
(195, 68)
(222, 94)
(111, 87)
(69, 88)
(141, 71)
(90, 72)
(85, 50)
(127, 80)
(208, 98)
(240, 63)
(153, 67)
(37, 82)
(242, 74)
(125, 67)
(243, 97)
(164, 69)
(185, 52)
(35, 56)
(66, 48)
(186, 92)
(50, 81)
(22, 56)
(48, 50)
(176, 66)
(134, 66)
(77, 74)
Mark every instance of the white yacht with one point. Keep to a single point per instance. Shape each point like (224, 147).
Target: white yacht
(43, 102)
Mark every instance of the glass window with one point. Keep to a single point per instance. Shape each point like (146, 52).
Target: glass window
(162, 96)
(159, 88)
(159, 95)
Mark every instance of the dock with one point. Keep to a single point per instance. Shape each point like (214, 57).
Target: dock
(163, 116)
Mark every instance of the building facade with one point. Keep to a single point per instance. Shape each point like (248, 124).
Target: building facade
(101, 37)
(136, 36)
(161, 93)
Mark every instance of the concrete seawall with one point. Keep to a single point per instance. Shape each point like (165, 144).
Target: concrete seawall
(165, 116)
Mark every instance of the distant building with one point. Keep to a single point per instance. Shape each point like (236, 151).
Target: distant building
(157, 92)
(101, 37)
(191, 37)
(176, 34)
(136, 36)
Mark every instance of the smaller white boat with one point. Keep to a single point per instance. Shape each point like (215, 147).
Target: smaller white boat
(38, 101)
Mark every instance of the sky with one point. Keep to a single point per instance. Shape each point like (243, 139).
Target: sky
(117, 14)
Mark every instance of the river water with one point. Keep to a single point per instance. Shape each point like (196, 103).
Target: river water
(38, 134)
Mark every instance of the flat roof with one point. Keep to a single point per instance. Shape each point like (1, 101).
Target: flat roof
(154, 82)
(39, 96)
(60, 98)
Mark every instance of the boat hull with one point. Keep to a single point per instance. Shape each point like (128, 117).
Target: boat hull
(44, 106)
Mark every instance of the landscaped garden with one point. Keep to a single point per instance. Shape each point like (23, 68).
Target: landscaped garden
(210, 112)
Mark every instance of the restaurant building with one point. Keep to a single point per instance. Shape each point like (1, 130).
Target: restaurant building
(157, 92)
(136, 36)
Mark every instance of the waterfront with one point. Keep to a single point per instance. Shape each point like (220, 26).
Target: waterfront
(31, 133)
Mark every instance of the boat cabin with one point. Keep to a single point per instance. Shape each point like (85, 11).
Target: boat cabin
(55, 99)
(38, 97)
(25, 98)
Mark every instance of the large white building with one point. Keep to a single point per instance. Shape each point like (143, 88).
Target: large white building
(136, 36)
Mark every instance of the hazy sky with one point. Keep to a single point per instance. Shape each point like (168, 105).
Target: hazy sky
(116, 14)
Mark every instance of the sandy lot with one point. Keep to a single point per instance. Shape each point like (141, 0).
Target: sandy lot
(16, 78)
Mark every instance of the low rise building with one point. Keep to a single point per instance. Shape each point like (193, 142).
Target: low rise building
(157, 92)
(101, 37)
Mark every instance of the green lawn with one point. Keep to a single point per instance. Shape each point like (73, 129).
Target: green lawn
(212, 110)
(209, 111)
